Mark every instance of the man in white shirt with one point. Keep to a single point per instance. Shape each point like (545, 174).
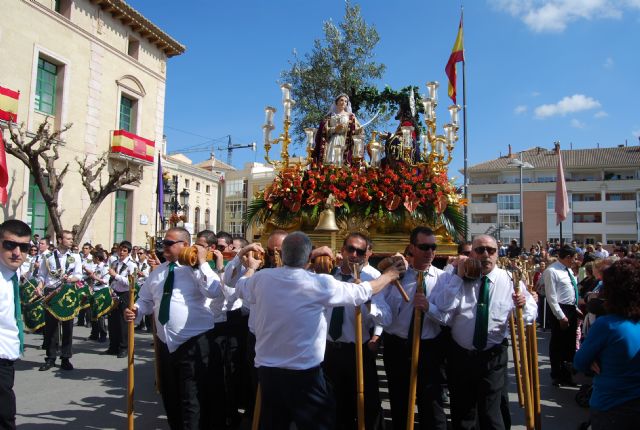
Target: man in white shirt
(600, 252)
(288, 304)
(477, 310)
(99, 275)
(561, 290)
(15, 237)
(177, 297)
(62, 267)
(119, 281)
(340, 354)
(398, 337)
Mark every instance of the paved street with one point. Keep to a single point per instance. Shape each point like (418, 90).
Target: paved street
(93, 396)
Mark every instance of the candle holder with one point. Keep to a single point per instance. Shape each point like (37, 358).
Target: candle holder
(437, 148)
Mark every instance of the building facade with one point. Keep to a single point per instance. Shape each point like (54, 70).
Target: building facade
(603, 186)
(100, 65)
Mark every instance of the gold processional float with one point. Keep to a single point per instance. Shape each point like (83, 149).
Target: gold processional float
(402, 184)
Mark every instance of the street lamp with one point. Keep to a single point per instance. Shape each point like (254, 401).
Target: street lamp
(521, 165)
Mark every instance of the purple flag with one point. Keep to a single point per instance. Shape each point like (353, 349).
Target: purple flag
(160, 190)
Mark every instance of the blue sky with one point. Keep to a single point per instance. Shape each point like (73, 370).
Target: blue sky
(537, 70)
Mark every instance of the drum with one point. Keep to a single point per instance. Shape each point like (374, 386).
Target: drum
(102, 303)
(64, 304)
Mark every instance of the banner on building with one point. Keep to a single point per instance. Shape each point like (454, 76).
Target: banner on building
(133, 146)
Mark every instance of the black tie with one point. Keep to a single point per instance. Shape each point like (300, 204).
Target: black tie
(337, 316)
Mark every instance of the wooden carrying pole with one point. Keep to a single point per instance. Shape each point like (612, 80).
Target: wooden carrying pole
(359, 364)
(130, 381)
(415, 355)
(516, 359)
(524, 359)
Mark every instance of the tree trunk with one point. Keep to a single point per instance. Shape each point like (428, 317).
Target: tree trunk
(87, 217)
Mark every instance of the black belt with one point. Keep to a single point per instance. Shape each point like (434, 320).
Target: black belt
(487, 352)
(6, 362)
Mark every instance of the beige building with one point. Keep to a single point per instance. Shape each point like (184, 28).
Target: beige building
(603, 185)
(100, 65)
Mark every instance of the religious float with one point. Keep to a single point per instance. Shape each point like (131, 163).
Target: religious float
(384, 187)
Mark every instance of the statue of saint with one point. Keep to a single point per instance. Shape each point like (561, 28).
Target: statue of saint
(334, 139)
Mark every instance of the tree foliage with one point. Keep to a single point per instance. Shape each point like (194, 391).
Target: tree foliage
(341, 63)
(40, 153)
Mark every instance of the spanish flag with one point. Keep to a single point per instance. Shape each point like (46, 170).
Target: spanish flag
(457, 55)
(133, 146)
(9, 104)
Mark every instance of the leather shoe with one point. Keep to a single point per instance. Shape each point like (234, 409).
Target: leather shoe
(66, 364)
(47, 365)
(122, 354)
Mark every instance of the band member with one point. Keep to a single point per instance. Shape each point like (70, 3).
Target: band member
(142, 274)
(288, 304)
(340, 354)
(187, 358)
(61, 267)
(15, 236)
(43, 254)
(398, 337)
(119, 278)
(561, 290)
(100, 280)
(477, 309)
(84, 316)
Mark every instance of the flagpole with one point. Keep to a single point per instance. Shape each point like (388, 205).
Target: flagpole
(464, 125)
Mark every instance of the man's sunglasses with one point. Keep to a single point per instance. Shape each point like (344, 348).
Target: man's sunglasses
(466, 253)
(426, 246)
(221, 247)
(482, 249)
(360, 252)
(167, 243)
(10, 245)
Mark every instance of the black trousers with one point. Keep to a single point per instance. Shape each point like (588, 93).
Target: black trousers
(7, 397)
(231, 338)
(622, 417)
(118, 331)
(98, 328)
(397, 365)
(298, 396)
(476, 382)
(340, 369)
(252, 386)
(562, 344)
(191, 384)
(52, 337)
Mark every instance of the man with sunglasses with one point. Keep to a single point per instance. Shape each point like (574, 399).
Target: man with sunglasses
(398, 337)
(177, 296)
(340, 353)
(61, 267)
(15, 237)
(477, 309)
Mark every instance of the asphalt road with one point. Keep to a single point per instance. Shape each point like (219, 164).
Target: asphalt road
(93, 395)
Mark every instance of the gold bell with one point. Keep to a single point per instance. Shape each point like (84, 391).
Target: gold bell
(327, 221)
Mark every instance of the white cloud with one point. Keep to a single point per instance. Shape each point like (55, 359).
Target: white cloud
(555, 15)
(536, 93)
(520, 109)
(608, 63)
(577, 123)
(636, 133)
(569, 104)
(600, 114)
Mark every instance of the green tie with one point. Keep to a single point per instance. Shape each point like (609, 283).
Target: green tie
(337, 316)
(573, 282)
(18, 311)
(482, 316)
(163, 315)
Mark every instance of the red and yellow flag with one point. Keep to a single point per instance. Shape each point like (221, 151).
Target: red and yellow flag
(457, 55)
(9, 104)
(133, 146)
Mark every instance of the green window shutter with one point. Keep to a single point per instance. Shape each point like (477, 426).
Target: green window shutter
(126, 106)
(120, 225)
(37, 213)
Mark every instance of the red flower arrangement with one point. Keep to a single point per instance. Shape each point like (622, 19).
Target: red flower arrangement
(366, 192)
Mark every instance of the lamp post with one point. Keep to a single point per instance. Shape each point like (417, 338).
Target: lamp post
(521, 165)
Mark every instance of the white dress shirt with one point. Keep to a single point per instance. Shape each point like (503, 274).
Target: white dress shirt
(69, 263)
(558, 288)
(233, 271)
(379, 314)
(123, 268)
(460, 297)
(402, 311)
(189, 314)
(288, 306)
(9, 340)
(101, 270)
